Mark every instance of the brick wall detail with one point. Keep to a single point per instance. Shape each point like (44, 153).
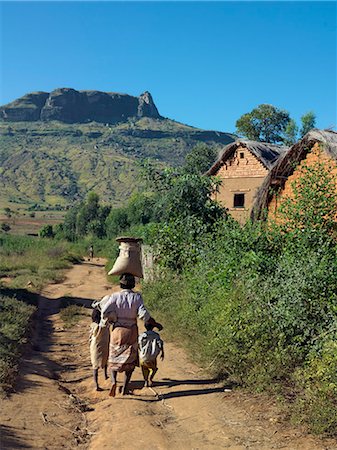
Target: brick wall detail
(240, 175)
(248, 166)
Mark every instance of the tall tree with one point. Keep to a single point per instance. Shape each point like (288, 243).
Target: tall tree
(308, 121)
(86, 217)
(265, 123)
(200, 159)
(69, 224)
(180, 194)
(290, 134)
(92, 205)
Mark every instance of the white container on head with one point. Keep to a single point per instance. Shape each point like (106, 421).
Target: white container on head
(129, 258)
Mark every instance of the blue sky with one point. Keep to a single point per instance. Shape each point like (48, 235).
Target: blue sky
(205, 63)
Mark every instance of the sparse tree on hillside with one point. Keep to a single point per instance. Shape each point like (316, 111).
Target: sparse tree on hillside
(5, 227)
(46, 231)
(8, 212)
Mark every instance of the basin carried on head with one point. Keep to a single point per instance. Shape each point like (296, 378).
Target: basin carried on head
(129, 258)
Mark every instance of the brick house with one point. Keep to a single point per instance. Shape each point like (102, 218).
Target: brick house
(315, 146)
(242, 167)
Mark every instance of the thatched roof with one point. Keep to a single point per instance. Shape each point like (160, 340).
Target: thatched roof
(266, 153)
(287, 163)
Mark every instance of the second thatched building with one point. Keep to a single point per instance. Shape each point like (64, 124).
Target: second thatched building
(316, 151)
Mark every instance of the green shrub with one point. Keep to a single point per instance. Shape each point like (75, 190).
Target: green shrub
(5, 227)
(46, 231)
(15, 319)
(316, 401)
(255, 305)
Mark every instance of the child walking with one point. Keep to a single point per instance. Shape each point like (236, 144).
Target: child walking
(99, 345)
(150, 345)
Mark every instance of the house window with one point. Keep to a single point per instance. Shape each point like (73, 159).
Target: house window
(239, 200)
(242, 155)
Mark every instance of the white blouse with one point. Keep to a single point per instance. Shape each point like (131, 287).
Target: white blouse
(124, 307)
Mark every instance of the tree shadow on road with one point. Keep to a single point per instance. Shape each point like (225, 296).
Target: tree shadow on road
(8, 439)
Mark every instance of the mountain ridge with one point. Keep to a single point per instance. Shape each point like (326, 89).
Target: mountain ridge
(71, 106)
(53, 163)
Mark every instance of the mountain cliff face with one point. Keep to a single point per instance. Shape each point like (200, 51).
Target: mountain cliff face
(71, 106)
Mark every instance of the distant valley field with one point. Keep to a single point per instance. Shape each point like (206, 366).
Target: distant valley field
(25, 222)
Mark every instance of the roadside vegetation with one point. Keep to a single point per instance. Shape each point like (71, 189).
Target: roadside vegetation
(26, 264)
(71, 315)
(258, 303)
(15, 319)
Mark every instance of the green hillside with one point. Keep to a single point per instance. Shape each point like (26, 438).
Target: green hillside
(52, 163)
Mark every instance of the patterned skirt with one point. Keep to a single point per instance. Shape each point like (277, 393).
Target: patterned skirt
(123, 354)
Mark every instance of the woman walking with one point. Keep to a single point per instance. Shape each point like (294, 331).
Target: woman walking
(123, 308)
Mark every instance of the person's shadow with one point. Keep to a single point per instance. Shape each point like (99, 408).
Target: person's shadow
(168, 382)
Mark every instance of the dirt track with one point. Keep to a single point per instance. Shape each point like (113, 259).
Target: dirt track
(55, 406)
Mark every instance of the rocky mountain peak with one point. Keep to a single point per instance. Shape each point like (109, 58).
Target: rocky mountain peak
(146, 107)
(71, 106)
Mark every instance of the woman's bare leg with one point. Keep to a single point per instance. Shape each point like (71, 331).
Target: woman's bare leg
(127, 378)
(112, 392)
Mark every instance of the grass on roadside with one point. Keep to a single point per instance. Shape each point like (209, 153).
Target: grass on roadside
(32, 262)
(26, 265)
(15, 320)
(71, 315)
